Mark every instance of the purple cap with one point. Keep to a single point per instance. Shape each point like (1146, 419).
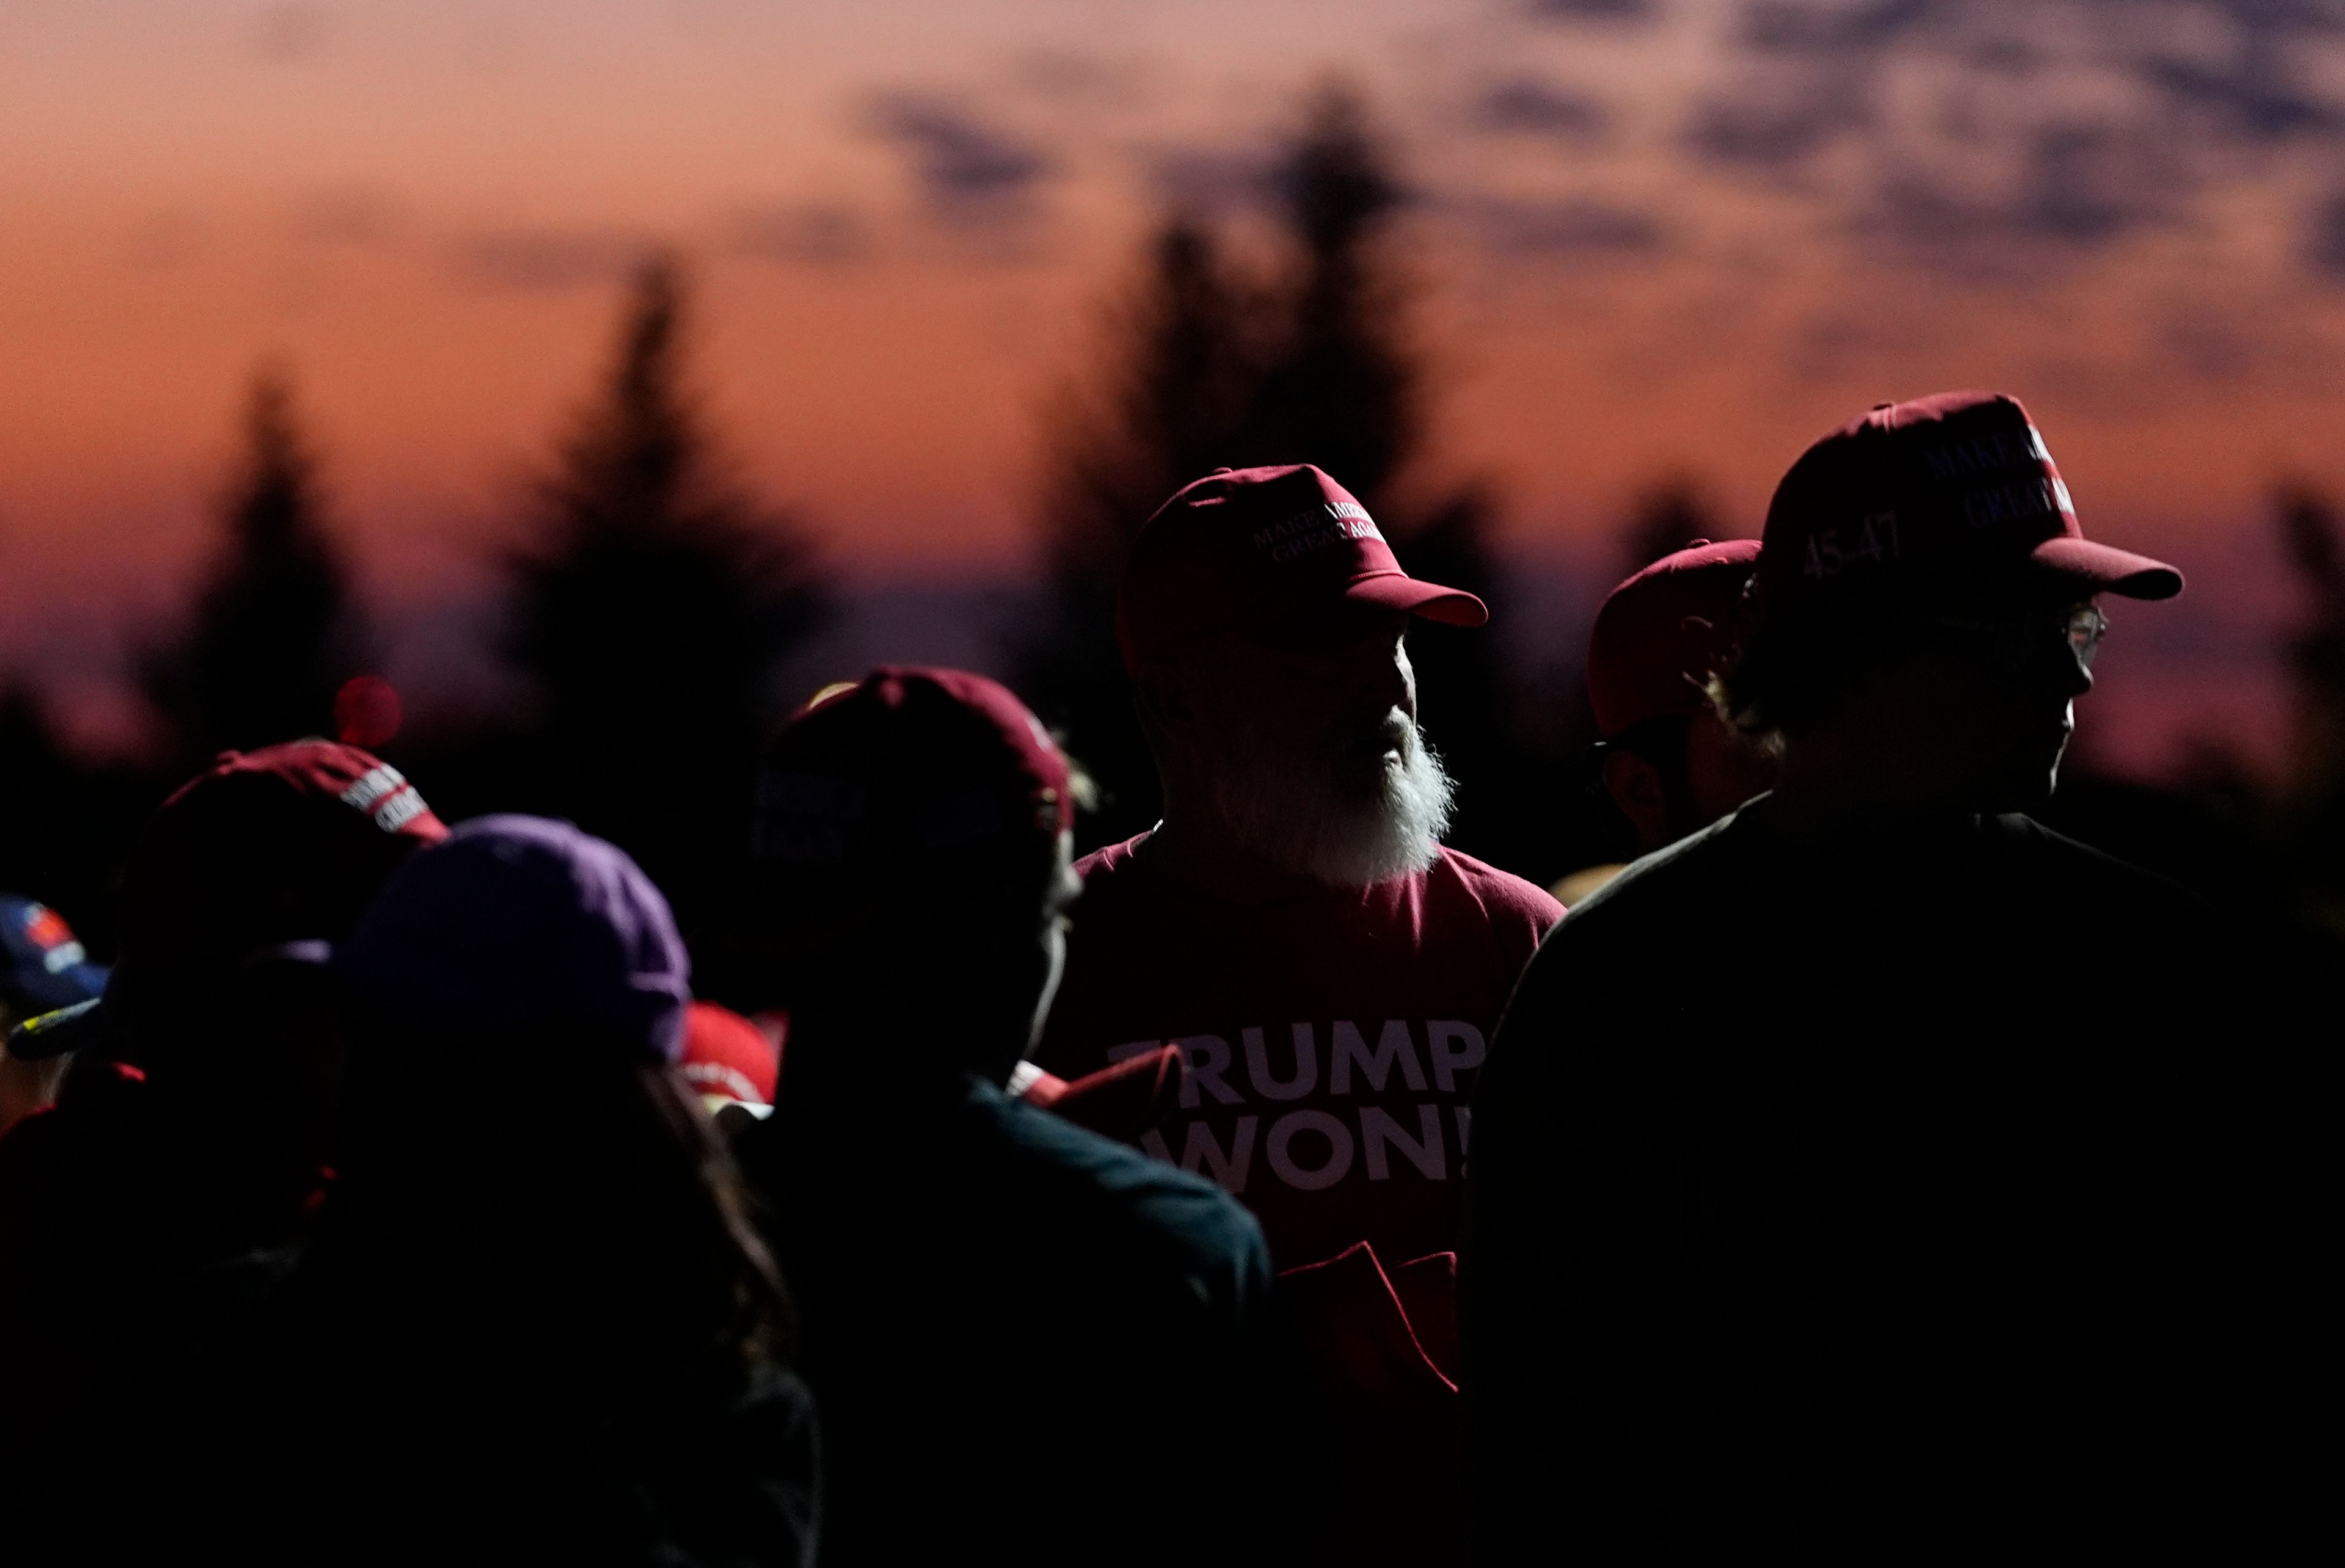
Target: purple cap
(517, 922)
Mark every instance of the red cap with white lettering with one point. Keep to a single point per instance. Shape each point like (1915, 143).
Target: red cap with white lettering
(1958, 487)
(1264, 550)
(730, 1060)
(279, 844)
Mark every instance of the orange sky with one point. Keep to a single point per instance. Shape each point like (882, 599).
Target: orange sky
(1652, 234)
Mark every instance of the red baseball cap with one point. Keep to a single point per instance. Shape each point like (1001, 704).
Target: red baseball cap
(1958, 485)
(1260, 549)
(727, 1058)
(279, 847)
(1121, 1101)
(910, 761)
(1661, 634)
(281, 844)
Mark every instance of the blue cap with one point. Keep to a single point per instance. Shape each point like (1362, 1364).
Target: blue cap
(43, 966)
(518, 922)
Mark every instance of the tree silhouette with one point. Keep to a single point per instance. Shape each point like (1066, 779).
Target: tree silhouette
(1342, 389)
(1175, 410)
(1311, 365)
(69, 819)
(2316, 654)
(275, 631)
(1668, 516)
(649, 613)
(2315, 661)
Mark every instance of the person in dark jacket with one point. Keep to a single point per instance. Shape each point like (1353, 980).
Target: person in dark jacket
(1845, 1174)
(534, 1323)
(1028, 1342)
(193, 1123)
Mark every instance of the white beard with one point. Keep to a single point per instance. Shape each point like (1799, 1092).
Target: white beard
(1285, 809)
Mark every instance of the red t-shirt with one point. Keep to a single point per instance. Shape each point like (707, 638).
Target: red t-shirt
(1333, 1038)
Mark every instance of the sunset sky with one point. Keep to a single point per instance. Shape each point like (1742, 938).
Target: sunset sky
(1650, 236)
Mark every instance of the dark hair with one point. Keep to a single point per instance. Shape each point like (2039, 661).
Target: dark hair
(595, 1168)
(1789, 671)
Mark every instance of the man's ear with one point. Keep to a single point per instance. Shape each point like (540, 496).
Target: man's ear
(1635, 787)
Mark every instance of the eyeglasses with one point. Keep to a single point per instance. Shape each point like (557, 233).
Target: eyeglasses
(2016, 644)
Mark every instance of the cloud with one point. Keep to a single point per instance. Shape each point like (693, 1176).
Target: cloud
(1528, 107)
(2251, 96)
(1989, 137)
(815, 233)
(1806, 28)
(1775, 126)
(970, 173)
(2072, 190)
(2087, 183)
(1564, 226)
(1593, 10)
(1215, 181)
(548, 259)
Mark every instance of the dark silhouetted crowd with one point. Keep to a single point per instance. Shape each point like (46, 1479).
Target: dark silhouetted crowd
(1866, 1174)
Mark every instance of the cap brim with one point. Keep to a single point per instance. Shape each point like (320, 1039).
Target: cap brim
(2108, 570)
(52, 1034)
(1395, 591)
(42, 992)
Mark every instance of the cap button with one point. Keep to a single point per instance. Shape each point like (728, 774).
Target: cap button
(1222, 469)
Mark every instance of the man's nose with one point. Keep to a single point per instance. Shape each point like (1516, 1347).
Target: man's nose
(2080, 670)
(1390, 681)
(2069, 673)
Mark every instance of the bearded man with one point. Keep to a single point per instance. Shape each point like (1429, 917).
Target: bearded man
(1330, 971)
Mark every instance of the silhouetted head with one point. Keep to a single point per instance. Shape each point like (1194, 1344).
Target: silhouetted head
(264, 849)
(519, 1144)
(1922, 613)
(911, 872)
(1264, 620)
(42, 969)
(1670, 763)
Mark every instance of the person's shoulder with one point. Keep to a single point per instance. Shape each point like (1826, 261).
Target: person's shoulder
(2124, 915)
(1502, 894)
(2138, 892)
(1653, 882)
(1111, 1179)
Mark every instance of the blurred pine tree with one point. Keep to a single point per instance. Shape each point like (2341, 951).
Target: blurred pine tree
(2315, 659)
(1175, 410)
(1315, 366)
(1668, 516)
(1342, 389)
(649, 611)
(275, 630)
